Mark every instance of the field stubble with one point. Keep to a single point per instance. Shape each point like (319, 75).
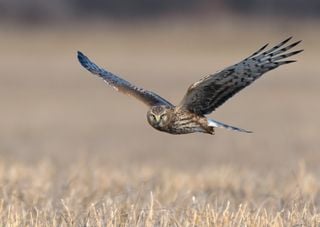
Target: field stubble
(74, 152)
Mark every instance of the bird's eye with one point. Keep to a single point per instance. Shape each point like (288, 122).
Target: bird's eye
(152, 117)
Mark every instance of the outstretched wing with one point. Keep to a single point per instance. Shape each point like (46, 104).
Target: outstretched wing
(119, 84)
(206, 95)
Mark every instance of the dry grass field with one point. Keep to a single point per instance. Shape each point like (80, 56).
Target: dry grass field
(73, 152)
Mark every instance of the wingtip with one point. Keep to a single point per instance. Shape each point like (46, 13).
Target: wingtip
(287, 39)
(297, 52)
(82, 58)
(263, 47)
(293, 44)
(287, 62)
(80, 54)
(88, 64)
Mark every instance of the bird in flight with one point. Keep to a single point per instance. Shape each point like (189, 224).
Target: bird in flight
(202, 97)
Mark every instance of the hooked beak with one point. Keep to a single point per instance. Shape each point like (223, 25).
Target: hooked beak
(157, 118)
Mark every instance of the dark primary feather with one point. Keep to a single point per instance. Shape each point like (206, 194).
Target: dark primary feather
(148, 97)
(206, 95)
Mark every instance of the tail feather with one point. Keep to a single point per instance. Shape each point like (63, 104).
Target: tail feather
(218, 124)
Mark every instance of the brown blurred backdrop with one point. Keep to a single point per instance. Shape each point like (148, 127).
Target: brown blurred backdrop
(36, 11)
(51, 108)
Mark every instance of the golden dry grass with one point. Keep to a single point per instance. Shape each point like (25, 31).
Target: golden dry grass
(75, 153)
(98, 195)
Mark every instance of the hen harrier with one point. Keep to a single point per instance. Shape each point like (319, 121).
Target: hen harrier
(202, 97)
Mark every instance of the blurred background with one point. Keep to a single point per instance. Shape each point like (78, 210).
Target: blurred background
(38, 12)
(52, 109)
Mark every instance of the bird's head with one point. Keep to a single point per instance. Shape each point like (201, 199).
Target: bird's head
(158, 116)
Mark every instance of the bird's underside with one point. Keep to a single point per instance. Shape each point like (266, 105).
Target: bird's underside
(202, 97)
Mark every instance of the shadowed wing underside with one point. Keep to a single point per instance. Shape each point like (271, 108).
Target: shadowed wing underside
(206, 95)
(119, 84)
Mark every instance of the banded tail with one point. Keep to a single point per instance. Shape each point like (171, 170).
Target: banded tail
(217, 124)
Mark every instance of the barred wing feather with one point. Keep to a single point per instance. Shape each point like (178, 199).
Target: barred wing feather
(206, 95)
(148, 97)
